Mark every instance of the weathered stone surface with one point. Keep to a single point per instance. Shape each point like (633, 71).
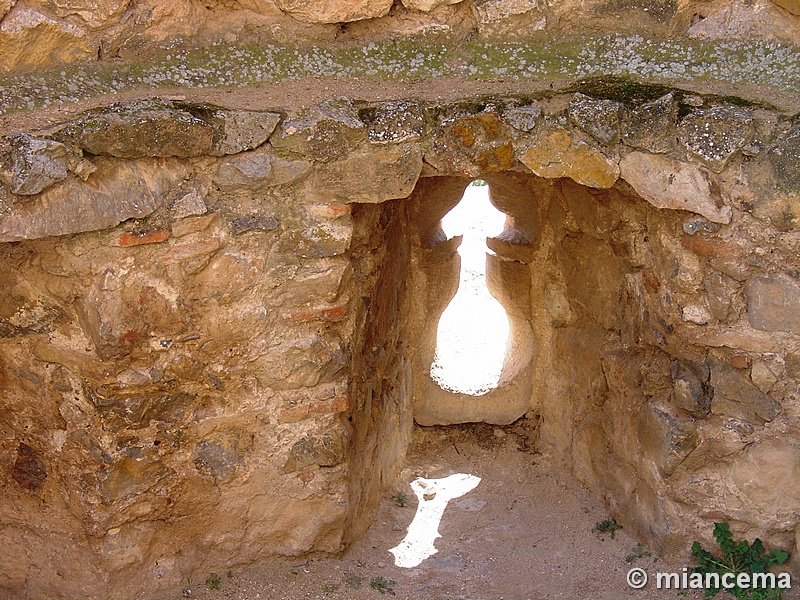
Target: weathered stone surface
(557, 304)
(510, 17)
(557, 154)
(773, 303)
(785, 161)
(395, 122)
(221, 453)
(523, 118)
(259, 169)
(775, 182)
(95, 14)
(140, 128)
(668, 183)
(735, 396)
(696, 313)
(122, 408)
(5, 6)
(374, 176)
(669, 438)
(427, 5)
(30, 39)
(714, 135)
(116, 192)
(234, 130)
(768, 473)
(762, 376)
(326, 450)
(334, 11)
(130, 477)
(325, 132)
(720, 292)
(301, 362)
(250, 222)
(29, 165)
(471, 145)
(793, 6)
(29, 469)
(598, 118)
(747, 21)
(690, 392)
(652, 125)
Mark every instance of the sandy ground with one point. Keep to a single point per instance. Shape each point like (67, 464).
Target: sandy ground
(524, 533)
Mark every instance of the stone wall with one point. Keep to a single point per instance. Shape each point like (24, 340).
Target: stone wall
(217, 317)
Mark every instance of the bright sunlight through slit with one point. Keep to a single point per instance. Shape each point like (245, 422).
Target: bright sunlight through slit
(472, 337)
(433, 496)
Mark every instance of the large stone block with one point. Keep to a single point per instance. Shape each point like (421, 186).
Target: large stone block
(768, 474)
(472, 145)
(667, 183)
(30, 39)
(219, 455)
(556, 153)
(95, 14)
(369, 177)
(131, 476)
(326, 450)
(735, 396)
(716, 134)
(116, 192)
(139, 129)
(334, 11)
(667, 438)
(28, 165)
(652, 125)
(325, 132)
(235, 130)
(774, 303)
(259, 169)
(598, 118)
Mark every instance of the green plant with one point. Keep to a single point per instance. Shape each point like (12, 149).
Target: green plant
(738, 558)
(384, 586)
(637, 552)
(609, 526)
(213, 581)
(353, 581)
(400, 499)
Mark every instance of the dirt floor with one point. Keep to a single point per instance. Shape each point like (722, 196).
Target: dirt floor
(524, 533)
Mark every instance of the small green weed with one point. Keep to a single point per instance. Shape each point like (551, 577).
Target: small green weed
(738, 558)
(384, 586)
(400, 499)
(353, 581)
(213, 581)
(637, 552)
(609, 526)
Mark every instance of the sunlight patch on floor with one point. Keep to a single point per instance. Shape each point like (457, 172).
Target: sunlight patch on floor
(473, 331)
(433, 496)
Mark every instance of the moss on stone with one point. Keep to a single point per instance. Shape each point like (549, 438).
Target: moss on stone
(624, 59)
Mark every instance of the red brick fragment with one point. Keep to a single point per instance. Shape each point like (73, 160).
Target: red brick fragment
(712, 248)
(739, 362)
(328, 314)
(152, 236)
